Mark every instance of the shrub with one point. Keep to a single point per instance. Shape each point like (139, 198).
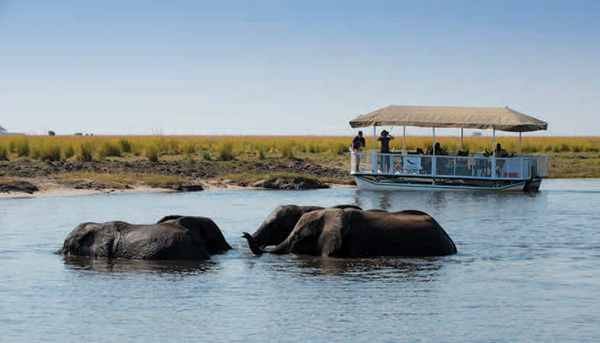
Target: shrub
(339, 148)
(172, 147)
(225, 151)
(188, 148)
(35, 150)
(125, 145)
(261, 153)
(138, 148)
(69, 151)
(3, 153)
(152, 152)
(287, 151)
(206, 156)
(160, 144)
(50, 151)
(20, 146)
(86, 151)
(108, 148)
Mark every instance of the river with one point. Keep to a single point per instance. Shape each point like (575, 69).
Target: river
(527, 270)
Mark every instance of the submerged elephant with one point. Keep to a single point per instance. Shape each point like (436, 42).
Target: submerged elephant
(351, 232)
(279, 224)
(171, 238)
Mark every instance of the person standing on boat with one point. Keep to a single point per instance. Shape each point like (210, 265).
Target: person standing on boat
(385, 139)
(358, 142)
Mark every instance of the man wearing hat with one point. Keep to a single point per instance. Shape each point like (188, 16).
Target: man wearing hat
(357, 142)
(385, 139)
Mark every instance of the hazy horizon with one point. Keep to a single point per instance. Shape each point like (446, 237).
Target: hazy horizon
(291, 68)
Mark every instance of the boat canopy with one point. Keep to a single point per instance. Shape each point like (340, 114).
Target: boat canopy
(498, 118)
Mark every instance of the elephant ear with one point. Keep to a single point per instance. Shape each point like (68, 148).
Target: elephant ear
(334, 222)
(171, 217)
(91, 239)
(76, 238)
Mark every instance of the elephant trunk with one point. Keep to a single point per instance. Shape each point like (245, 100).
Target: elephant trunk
(254, 247)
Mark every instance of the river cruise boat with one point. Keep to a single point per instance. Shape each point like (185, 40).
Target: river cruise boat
(459, 170)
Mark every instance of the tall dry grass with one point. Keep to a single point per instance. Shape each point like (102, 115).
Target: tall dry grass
(87, 148)
(3, 152)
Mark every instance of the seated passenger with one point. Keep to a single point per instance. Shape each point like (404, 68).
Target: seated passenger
(439, 150)
(499, 152)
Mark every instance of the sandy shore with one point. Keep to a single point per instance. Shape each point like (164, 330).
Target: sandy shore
(50, 187)
(25, 178)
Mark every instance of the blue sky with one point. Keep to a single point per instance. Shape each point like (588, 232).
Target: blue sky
(290, 67)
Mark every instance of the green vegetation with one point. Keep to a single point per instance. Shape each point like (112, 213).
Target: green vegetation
(151, 152)
(3, 153)
(110, 149)
(19, 145)
(254, 177)
(569, 156)
(47, 149)
(574, 165)
(287, 150)
(260, 153)
(225, 151)
(125, 145)
(86, 151)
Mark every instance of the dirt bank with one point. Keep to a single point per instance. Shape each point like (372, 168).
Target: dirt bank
(181, 175)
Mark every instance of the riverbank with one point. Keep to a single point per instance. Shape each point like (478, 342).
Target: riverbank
(195, 174)
(186, 174)
(34, 164)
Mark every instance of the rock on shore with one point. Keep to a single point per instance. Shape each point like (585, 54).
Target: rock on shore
(17, 186)
(188, 188)
(298, 183)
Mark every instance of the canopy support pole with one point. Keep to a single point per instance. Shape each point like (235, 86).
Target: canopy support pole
(461, 138)
(404, 140)
(374, 159)
(493, 153)
(519, 142)
(433, 164)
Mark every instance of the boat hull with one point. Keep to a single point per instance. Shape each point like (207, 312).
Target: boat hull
(397, 184)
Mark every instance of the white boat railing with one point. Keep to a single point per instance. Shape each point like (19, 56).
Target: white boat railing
(474, 166)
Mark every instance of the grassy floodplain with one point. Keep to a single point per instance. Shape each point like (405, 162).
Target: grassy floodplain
(236, 157)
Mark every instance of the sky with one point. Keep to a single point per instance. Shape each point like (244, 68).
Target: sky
(290, 67)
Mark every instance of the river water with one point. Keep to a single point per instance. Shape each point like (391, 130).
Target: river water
(528, 270)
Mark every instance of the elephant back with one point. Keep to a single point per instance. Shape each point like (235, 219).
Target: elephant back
(405, 233)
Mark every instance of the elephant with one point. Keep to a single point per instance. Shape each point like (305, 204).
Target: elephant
(280, 223)
(171, 238)
(351, 232)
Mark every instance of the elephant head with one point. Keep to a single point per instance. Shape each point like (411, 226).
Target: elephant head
(280, 223)
(317, 232)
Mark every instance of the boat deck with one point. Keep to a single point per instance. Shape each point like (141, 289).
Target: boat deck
(470, 171)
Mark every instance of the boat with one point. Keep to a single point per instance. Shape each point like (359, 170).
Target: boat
(460, 170)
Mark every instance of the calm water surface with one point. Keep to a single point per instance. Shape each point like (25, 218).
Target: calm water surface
(528, 270)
